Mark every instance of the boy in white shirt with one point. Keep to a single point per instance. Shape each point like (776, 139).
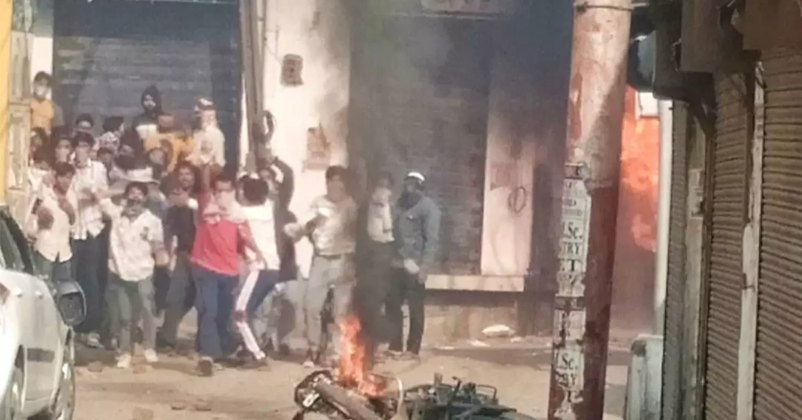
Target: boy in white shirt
(53, 214)
(88, 244)
(136, 246)
(263, 270)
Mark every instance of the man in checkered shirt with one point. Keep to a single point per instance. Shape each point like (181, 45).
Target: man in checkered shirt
(136, 246)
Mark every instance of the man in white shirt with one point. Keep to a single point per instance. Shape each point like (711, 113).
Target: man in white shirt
(263, 269)
(331, 225)
(136, 246)
(54, 214)
(90, 180)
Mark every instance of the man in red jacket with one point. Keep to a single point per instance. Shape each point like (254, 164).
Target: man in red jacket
(220, 237)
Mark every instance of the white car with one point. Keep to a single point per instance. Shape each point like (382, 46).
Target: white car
(36, 339)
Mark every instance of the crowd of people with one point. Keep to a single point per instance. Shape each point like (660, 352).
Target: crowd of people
(151, 221)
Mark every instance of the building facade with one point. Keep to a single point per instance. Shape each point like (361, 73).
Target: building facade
(735, 280)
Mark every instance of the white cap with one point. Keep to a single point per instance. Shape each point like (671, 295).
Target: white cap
(204, 103)
(416, 175)
(144, 175)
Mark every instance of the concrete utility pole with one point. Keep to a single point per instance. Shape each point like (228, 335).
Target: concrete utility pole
(590, 208)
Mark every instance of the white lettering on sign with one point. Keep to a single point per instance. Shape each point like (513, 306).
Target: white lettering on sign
(471, 6)
(569, 368)
(574, 240)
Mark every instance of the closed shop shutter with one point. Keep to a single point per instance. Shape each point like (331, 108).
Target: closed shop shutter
(778, 369)
(675, 289)
(422, 104)
(107, 53)
(726, 266)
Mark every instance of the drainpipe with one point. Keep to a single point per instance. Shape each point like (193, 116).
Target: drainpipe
(251, 63)
(663, 213)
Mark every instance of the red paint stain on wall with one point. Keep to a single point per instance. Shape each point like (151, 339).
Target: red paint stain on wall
(633, 272)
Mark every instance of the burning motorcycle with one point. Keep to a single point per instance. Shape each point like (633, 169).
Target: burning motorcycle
(322, 393)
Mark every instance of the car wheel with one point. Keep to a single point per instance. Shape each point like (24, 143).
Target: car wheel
(12, 402)
(64, 404)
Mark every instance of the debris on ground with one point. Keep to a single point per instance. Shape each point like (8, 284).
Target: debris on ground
(498, 331)
(95, 367)
(478, 343)
(202, 405)
(178, 406)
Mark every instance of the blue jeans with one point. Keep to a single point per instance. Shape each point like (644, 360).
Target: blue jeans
(265, 284)
(215, 303)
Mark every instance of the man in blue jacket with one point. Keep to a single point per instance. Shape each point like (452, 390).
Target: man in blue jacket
(417, 234)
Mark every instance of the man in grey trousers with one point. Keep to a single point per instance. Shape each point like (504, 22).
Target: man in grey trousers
(417, 234)
(330, 225)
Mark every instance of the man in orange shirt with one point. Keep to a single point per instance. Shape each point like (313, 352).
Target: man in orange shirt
(45, 114)
(176, 145)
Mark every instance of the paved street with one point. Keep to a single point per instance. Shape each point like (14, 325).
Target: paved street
(171, 391)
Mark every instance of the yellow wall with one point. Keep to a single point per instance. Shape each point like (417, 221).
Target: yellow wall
(5, 57)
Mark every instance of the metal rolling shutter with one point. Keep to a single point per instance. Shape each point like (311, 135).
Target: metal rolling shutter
(778, 366)
(726, 261)
(107, 53)
(426, 109)
(672, 359)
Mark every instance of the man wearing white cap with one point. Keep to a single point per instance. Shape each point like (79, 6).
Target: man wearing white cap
(417, 234)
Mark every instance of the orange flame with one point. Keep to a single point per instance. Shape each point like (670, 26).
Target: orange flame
(640, 151)
(354, 370)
